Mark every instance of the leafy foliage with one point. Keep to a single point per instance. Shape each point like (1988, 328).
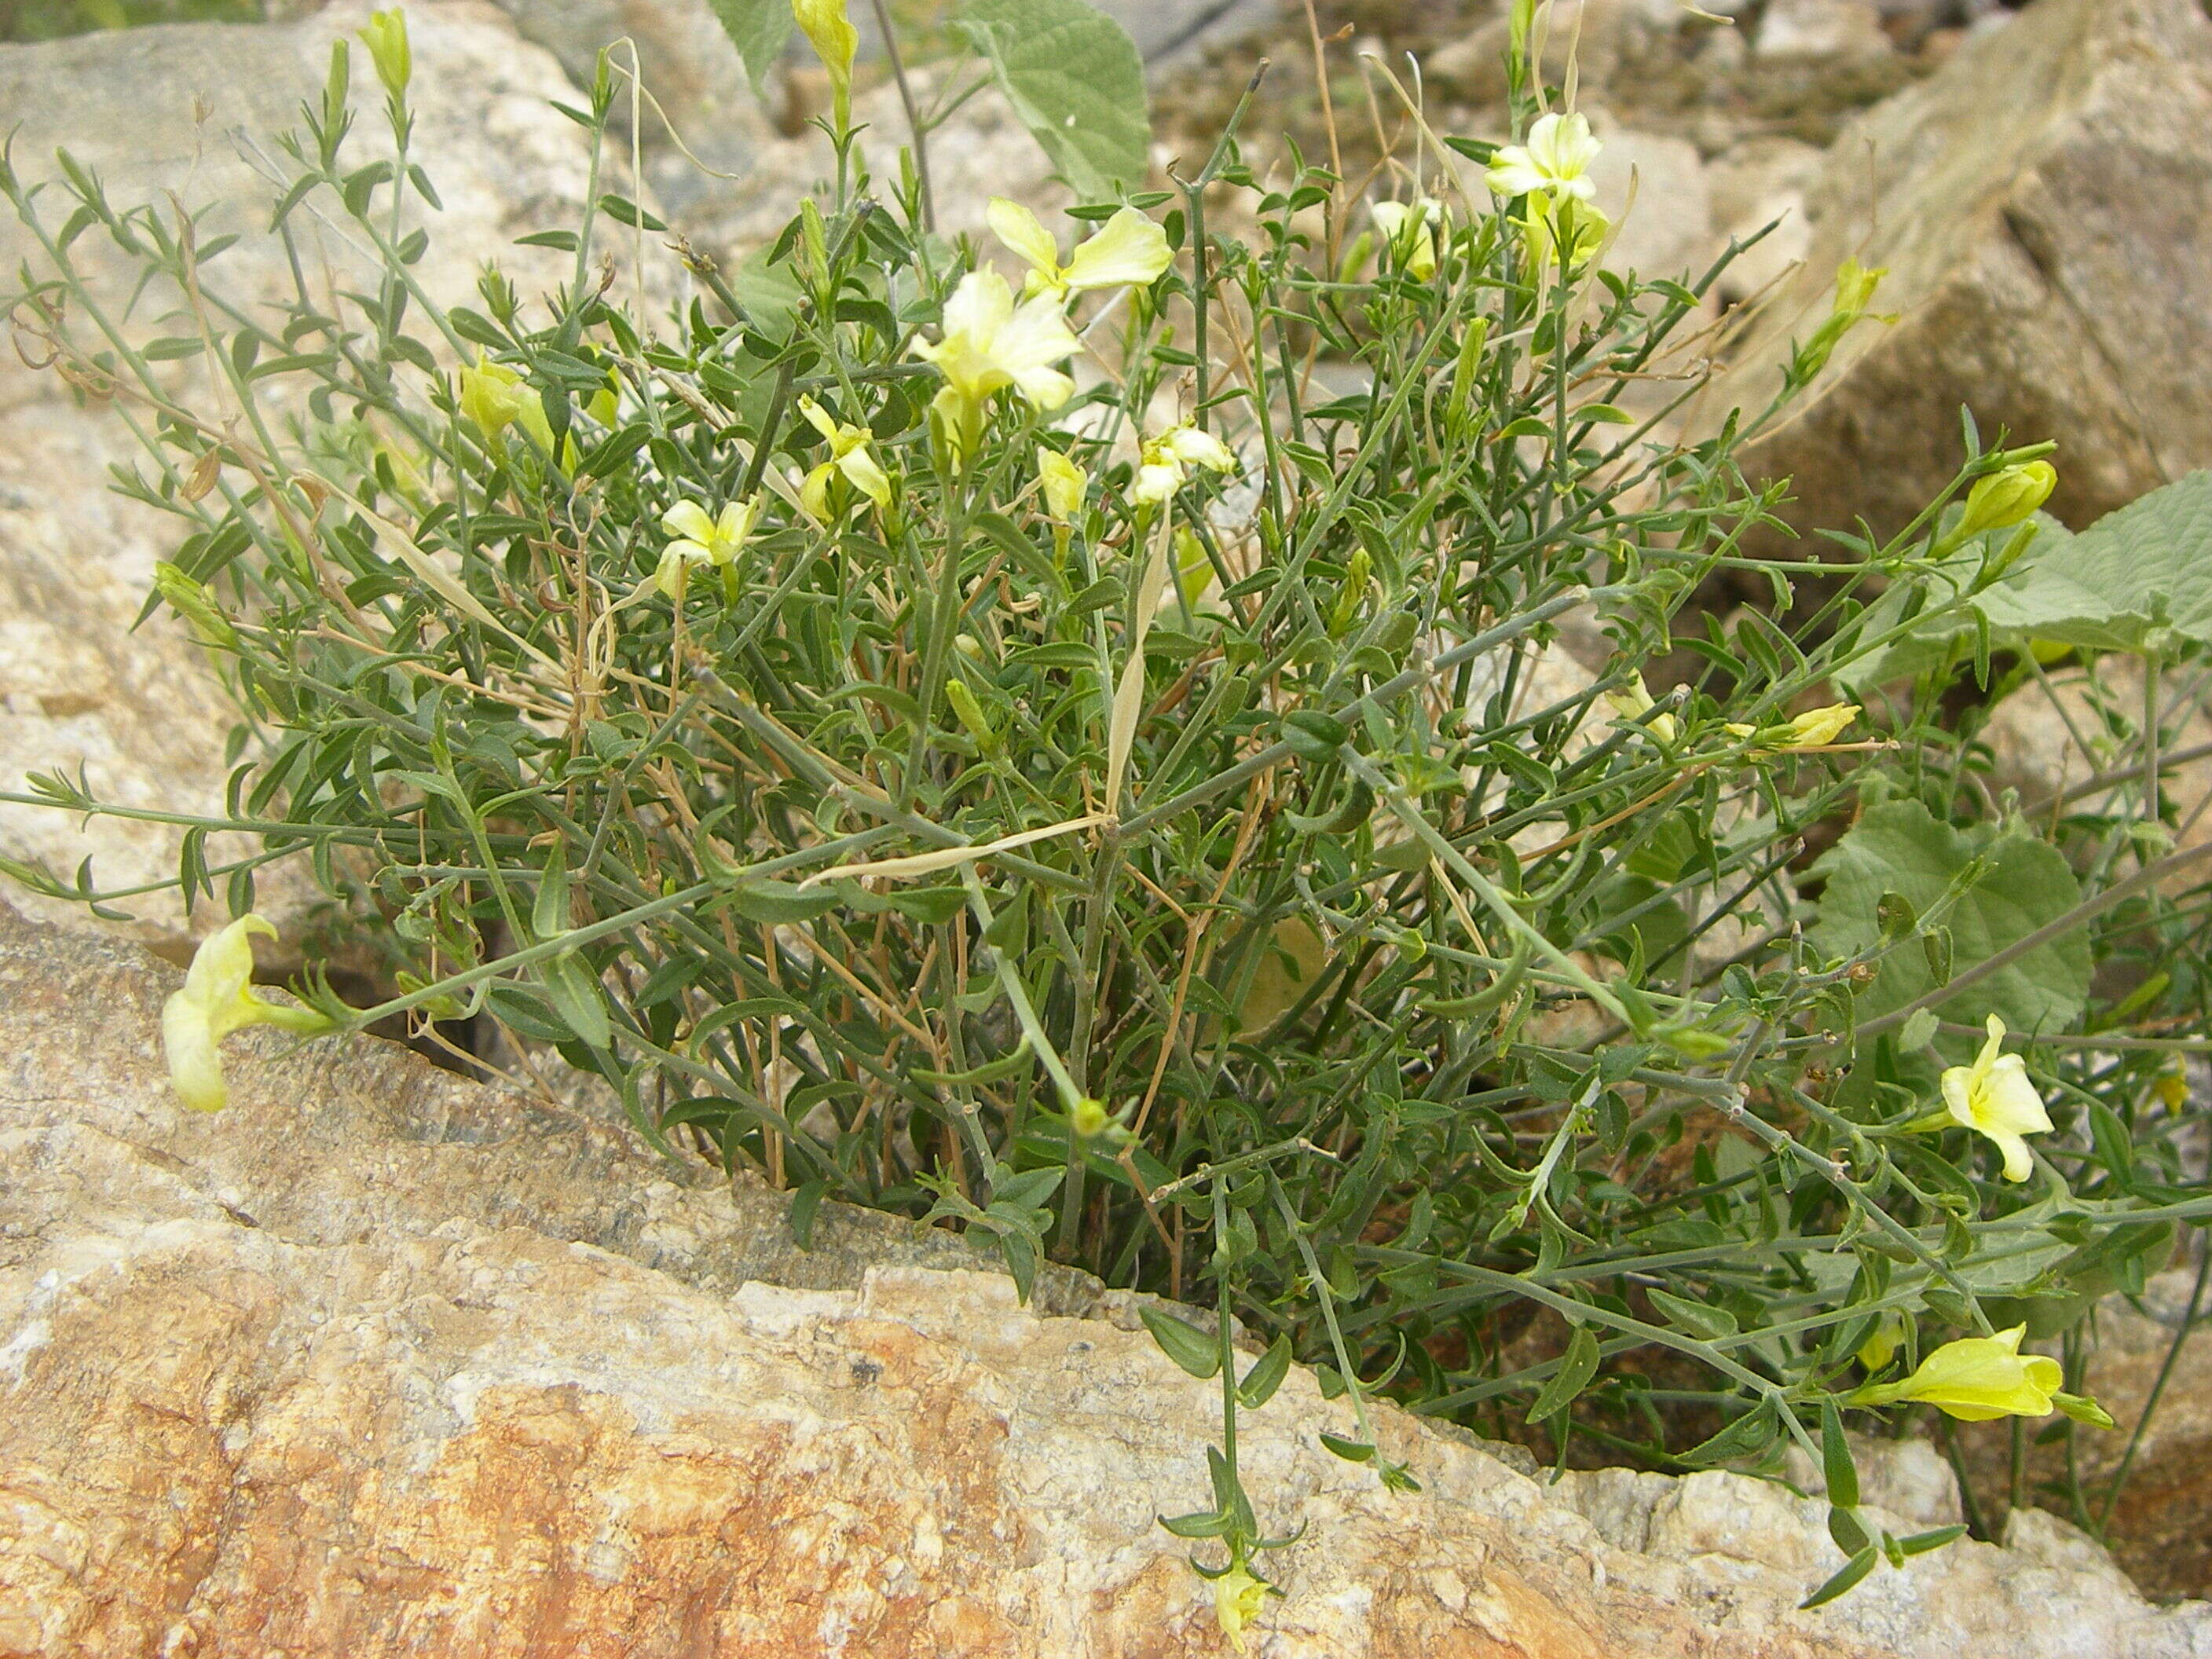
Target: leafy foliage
(1210, 877)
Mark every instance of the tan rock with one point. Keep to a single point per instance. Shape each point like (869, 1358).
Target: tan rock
(376, 1362)
(2044, 206)
(179, 108)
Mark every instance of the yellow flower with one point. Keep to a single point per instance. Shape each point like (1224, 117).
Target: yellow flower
(217, 1000)
(1632, 701)
(1162, 463)
(988, 343)
(850, 455)
(1994, 1097)
(1881, 1343)
(1555, 162)
(836, 41)
(385, 36)
(702, 540)
(1237, 1599)
(1129, 251)
(1976, 1378)
(1562, 233)
(1409, 228)
(2007, 498)
(1815, 729)
(494, 397)
(1855, 288)
(1062, 484)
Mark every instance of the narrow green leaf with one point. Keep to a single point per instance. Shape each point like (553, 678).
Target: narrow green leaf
(1265, 1376)
(1836, 1462)
(1853, 1570)
(1577, 1367)
(1182, 1342)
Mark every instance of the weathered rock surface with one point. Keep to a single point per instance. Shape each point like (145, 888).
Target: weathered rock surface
(379, 1363)
(157, 110)
(2044, 205)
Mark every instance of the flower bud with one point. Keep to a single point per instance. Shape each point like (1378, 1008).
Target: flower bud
(2007, 498)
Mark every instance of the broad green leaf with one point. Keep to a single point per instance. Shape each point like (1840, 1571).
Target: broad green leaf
(2147, 565)
(1265, 1376)
(1074, 79)
(758, 29)
(1899, 846)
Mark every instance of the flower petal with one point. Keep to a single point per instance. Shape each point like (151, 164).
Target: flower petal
(1046, 388)
(688, 518)
(1129, 250)
(814, 493)
(859, 467)
(979, 307)
(1514, 171)
(818, 418)
(1031, 242)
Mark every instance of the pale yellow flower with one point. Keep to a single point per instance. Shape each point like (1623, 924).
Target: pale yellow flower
(1976, 1378)
(1993, 1096)
(990, 343)
(1129, 251)
(218, 999)
(849, 454)
(702, 540)
(2007, 498)
(1409, 228)
(836, 41)
(1814, 729)
(384, 34)
(1237, 1599)
(1061, 483)
(1632, 701)
(1164, 461)
(494, 397)
(1555, 162)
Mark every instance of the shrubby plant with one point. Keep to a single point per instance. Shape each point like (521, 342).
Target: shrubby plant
(1073, 759)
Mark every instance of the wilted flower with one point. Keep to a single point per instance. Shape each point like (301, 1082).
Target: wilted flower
(849, 454)
(1164, 460)
(1061, 483)
(989, 343)
(218, 999)
(494, 397)
(1410, 227)
(1976, 1378)
(702, 540)
(1237, 1599)
(1633, 700)
(1129, 251)
(1555, 162)
(1993, 1096)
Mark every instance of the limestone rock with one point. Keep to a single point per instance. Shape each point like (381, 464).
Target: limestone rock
(378, 1363)
(169, 108)
(1762, 182)
(1819, 31)
(2044, 205)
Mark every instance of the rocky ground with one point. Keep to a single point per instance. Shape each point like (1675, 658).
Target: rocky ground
(2038, 184)
(377, 1362)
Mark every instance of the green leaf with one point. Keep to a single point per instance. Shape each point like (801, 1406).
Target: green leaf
(1899, 846)
(1265, 1376)
(2147, 565)
(1921, 1542)
(574, 990)
(1853, 1570)
(1182, 1342)
(1843, 1474)
(1578, 1365)
(1699, 1319)
(1074, 79)
(1352, 1451)
(758, 29)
